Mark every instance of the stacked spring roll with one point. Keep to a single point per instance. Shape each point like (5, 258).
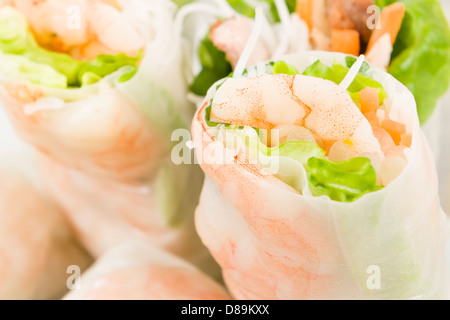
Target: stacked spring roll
(97, 88)
(321, 184)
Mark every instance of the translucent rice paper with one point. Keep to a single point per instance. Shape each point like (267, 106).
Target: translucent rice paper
(273, 243)
(135, 270)
(108, 145)
(437, 131)
(36, 243)
(107, 213)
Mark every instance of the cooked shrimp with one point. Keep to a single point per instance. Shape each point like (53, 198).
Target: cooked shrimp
(266, 101)
(107, 23)
(57, 24)
(137, 271)
(86, 29)
(231, 36)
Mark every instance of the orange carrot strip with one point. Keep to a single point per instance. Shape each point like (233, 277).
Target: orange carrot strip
(304, 9)
(395, 129)
(345, 41)
(390, 22)
(369, 99)
(372, 118)
(406, 140)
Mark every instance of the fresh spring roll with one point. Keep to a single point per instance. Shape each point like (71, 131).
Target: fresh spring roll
(97, 87)
(396, 35)
(320, 184)
(135, 270)
(37, 245)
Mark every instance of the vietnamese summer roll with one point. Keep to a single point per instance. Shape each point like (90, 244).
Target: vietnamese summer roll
(320, 183)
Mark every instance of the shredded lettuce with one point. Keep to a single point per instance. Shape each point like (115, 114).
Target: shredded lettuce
(337, 72)
(421, 55)
(343, 181)
(26, 59)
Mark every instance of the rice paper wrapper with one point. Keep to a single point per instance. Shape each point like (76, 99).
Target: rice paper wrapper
(106, 213)
(274, 243)
(37, 244)
(135, 270)
(107, 146)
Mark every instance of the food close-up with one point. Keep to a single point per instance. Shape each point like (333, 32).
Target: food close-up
(228, 150)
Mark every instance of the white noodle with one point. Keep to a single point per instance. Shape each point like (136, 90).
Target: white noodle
(251, 43)
(285, 18)
(352, 73)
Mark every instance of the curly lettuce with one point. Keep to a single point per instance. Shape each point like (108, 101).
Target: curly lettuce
(421, 55)
(343, 181)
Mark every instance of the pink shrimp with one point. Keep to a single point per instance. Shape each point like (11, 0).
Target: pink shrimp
(266, 101)
(84, 28)
(231, 36)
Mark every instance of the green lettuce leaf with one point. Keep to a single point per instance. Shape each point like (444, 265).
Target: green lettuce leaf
(421, 55)
(281, 67)
(247, 8)
(181, 3)
(300, 151)
(214, 67)
(337, 73)
(343, 181)
(105, 64)
(26, 59)
(21, 67)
